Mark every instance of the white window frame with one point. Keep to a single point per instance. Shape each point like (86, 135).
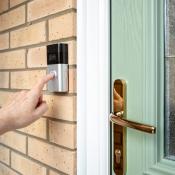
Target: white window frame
(93, 86)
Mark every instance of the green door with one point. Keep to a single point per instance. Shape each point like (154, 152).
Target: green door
(137, 56)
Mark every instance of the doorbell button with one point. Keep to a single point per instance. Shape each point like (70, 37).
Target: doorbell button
(54, 73)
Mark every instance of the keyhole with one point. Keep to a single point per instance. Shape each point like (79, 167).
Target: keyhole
(118, 156)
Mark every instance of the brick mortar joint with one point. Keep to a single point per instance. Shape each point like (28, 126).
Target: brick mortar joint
(71, 67)
(14, 7)
(31, 46)
(46, 141)
(45, 92)
(48, 17)
(10, 168)
(32, 159)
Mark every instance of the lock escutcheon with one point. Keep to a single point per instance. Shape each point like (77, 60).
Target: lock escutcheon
(118, 156)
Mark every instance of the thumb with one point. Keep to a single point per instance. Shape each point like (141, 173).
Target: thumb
(40, 110)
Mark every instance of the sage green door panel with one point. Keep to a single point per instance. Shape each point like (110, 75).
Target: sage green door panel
(137, 53)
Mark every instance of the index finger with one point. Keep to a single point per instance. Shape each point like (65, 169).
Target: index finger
(40, 85)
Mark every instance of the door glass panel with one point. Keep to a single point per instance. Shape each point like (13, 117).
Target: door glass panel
(170, 79)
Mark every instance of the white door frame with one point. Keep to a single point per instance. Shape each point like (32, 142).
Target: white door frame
(93, 86)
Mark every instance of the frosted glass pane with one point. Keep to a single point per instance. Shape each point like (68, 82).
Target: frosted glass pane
(170, 28)
(170, 107)
(170, 80)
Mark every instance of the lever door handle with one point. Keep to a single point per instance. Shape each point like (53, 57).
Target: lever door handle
(117, 119)
(119, 122)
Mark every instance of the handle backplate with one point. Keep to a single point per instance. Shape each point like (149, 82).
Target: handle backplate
(119, 132)
(119, 124)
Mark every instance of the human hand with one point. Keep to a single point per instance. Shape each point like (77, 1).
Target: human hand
(24, 108)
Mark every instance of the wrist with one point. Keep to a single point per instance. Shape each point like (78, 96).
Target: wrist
(4, 123)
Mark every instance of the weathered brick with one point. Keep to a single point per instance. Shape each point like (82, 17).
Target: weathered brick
(32, 34)
(4, 79)
(3, 5)
(26, 166)
(12, 60)
(37, 57)
(72, 52)
(53, 156)
(63, 134)
(4, 41)
(72, 80)
(63, 26)
(37, 129)
(41, 8)
(4, 170)
(12, 18)
(4, 155)
(14, 140)
(53, 173)
(61, 107)
(26, 79)
(16, 2)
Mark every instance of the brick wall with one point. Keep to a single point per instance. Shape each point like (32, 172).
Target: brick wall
(48, 146)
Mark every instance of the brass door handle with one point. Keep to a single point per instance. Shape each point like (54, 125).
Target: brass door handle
(119, 122)
(117, 119)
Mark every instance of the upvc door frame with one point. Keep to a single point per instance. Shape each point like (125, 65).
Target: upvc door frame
(93, 90)
(93, 87)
